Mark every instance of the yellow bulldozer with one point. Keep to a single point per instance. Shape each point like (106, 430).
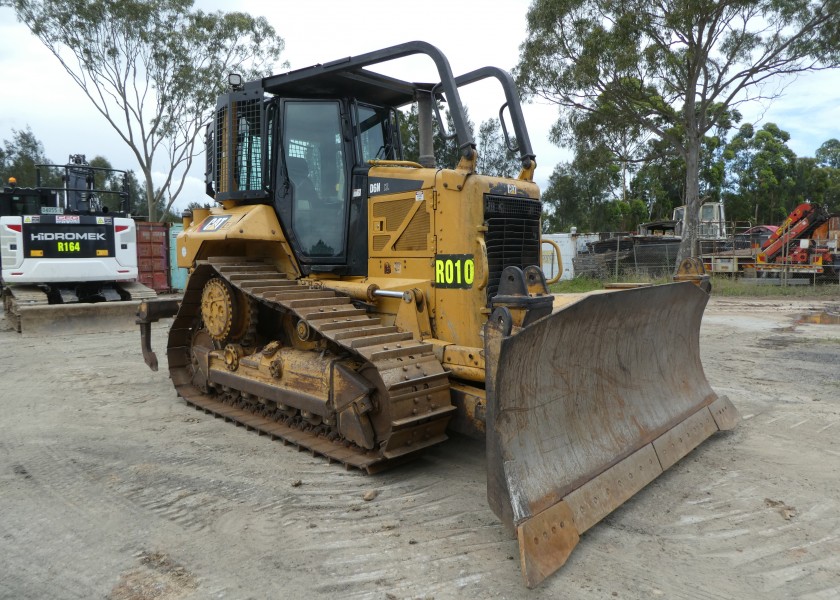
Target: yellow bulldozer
(359, 305)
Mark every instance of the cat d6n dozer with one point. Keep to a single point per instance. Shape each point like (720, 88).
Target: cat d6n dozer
(358, 305)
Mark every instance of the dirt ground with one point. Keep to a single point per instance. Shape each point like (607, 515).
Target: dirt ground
(111, 487)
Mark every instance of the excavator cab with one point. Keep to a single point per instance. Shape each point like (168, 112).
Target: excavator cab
(358, 305)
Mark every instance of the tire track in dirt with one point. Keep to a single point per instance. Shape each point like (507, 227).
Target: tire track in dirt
(146, 475)
(798, 524)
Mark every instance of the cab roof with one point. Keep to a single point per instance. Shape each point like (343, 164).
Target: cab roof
(331, 81)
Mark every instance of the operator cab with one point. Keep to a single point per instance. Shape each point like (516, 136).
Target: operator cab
(17, 202)
(315, 164)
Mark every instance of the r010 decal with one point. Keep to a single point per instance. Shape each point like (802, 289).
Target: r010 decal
(454, 271)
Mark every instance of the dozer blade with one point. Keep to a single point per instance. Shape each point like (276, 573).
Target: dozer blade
(588, 405)
(81, 318)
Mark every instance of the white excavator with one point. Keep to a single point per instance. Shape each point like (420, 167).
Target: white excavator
(67, 258)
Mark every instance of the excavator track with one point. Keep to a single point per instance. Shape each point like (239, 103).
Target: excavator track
(136, 290)
(408, 379)
(21, 296)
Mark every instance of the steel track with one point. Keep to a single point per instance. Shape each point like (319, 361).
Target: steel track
(405, 372)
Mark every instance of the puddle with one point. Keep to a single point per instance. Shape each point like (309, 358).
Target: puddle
(826, 317)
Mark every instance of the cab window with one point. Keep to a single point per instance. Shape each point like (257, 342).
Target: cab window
(376, 127)
(315, 163)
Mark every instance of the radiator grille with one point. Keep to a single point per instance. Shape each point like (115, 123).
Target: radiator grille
(512, 237)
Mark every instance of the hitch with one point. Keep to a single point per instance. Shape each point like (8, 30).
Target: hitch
(151, 311)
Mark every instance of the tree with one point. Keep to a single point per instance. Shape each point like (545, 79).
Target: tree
(446, 151)
(605, 130)
(763, 173)
(580, 194)
(152, 68)
(828, 154)
(660, 182)
(673, 68)
(660, 185)
(494, 157)
(18, 158)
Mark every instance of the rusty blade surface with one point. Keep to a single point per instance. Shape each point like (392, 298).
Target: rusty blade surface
(576, 400)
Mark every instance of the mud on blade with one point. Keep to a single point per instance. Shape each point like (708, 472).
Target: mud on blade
(587, 406)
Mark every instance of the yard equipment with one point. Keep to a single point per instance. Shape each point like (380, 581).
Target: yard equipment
(69, 263)
(806, 243)
(358, 305)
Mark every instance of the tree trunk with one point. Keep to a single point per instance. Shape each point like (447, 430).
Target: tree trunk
(150, 195)
(688, 246)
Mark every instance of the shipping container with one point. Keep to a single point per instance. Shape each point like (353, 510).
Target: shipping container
(153, 255)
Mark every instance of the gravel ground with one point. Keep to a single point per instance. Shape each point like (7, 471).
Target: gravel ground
(111, 487)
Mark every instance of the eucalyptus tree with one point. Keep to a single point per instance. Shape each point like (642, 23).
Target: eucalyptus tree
(674, 67)
(580, 194)
(494, 156)
(445, 146)
(152, 69)
(763, 173)
(19, 156)
(828, 154)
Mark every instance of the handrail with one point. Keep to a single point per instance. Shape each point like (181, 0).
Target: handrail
(554, 280)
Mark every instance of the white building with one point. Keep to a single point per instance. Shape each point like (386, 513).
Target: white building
(570, 245)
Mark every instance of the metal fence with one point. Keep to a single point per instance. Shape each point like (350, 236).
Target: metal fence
(629, 259)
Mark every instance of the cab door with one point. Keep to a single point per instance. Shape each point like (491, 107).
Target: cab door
(314, 160)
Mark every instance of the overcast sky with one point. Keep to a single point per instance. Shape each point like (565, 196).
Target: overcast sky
(36, 92)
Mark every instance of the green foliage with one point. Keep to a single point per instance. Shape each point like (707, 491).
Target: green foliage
(673, 69)
(152, 68)
(577, 285)
(445, 150)
(410, 134)
(193, 205)
(578, 195)
(494, 157)
(18, 158)
(117, 184)
(828, 154)
(660, 185)
(763, 174)
(723, 285)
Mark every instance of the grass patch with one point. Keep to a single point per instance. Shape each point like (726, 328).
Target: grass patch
(736, 287)
(577, 285)
(722, 285)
